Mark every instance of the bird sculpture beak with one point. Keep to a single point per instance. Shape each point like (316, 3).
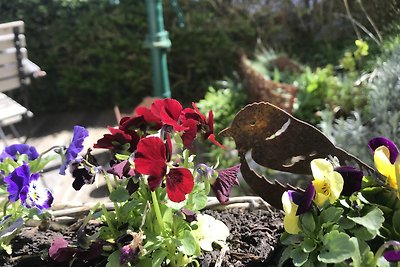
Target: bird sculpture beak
(227, 132)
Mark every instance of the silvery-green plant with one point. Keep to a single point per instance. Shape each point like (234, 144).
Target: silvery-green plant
(379, 118)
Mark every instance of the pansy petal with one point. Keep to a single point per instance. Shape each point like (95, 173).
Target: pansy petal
(223, 184)
(76, 146)
(352, 179)
(150, 157)
(382, 162)
(60, 250)
(392, 255)
(154, 182)
(179, 183)
(16, 180)
(18, 149)
(287, 203)
(190, 133)
(320, 167)
(211, 137)
(377, 142)
(291, 224)
(336, 186)
(167, 119)
(306, 200)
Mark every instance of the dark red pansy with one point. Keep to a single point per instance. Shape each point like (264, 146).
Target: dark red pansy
(152, 120)
(60, 250)
(168, 148)
(189, 135)
(204, 125)
(150, 157)
(188, 215)
(122, 169)
(168, 110)
(132, 123)
(222, 186)
(179, 183)
(118, 140)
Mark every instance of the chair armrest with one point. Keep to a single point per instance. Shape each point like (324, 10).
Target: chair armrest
(31, 69)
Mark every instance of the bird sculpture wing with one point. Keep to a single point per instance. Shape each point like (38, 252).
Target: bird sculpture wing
(279, 141)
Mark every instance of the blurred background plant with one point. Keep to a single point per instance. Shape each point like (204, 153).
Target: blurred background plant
(94, 49)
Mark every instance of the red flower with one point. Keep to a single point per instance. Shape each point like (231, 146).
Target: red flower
(203, 124)
(118, 140)
(168, 110)
(151, 159)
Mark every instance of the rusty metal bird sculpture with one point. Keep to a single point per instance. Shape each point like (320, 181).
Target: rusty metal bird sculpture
(279, 141)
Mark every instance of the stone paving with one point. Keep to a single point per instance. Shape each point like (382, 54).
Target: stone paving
(56, 129)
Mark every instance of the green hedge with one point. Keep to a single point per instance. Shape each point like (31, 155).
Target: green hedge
(94, 55)
(93, 50)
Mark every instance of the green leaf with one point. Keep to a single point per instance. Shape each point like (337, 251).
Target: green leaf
(396, 222)
(120, 194)
(158, 257)
(346, 223)
(337, 247)
(113, 259)
(308, 245)
(307, 222)
(330, 215)
(363, 255)
(299, 257)
(43, 162)
(188, 243)
(167, 216)
(289, 239)
(372, 220)
(285, 256)
(364, 233)
(143, 262)
(199, 201)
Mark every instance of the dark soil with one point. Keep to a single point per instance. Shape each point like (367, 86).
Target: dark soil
(253, 238)
(253, 242)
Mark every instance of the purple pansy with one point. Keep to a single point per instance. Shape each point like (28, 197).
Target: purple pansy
(17, 180)
(392, 255)
(18, 149)
(352, 179)
(302, 200)
(35, 195)
(24, 186)
(382, 141)
(128, 253)
(76, 146)
(223, 184)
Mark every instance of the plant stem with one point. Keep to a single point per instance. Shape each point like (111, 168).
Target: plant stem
(108, 182)
(108, 220)
(5, 207)
(42, 154)
(157, 210)
(110, 189)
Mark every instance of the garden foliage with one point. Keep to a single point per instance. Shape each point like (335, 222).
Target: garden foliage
(378, 118)
(94, 49)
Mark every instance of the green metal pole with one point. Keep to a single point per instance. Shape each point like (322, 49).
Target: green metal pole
(158, 42)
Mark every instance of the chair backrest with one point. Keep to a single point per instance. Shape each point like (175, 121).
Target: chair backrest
(13, 54)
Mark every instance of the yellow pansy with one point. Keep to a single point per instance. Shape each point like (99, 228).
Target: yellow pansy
(387, 160)
(327, 182)
(290, 221)
(385, 167)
